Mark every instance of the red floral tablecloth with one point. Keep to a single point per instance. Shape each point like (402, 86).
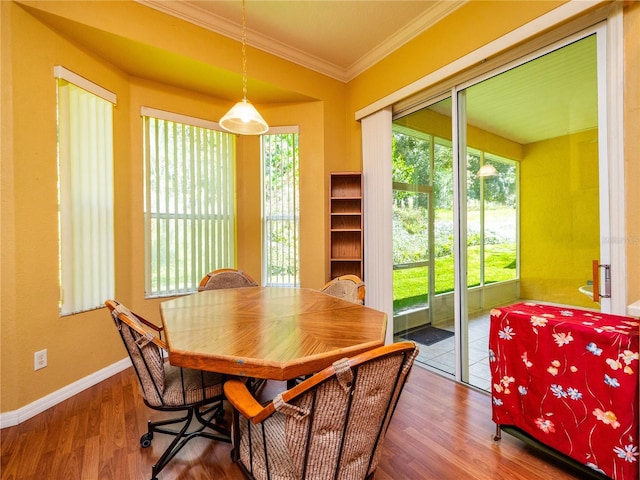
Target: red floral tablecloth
(569, 378)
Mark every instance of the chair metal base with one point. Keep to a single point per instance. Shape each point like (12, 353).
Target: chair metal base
(206, 420)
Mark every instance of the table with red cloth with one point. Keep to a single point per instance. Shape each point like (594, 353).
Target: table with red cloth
(569, 378)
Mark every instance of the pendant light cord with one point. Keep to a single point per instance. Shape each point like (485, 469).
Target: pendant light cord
(243, 118)
(244, 53)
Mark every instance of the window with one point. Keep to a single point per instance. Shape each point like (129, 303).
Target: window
(422, 215)
(280, 208)
(85, 193)
(492, 219)
(189, 201)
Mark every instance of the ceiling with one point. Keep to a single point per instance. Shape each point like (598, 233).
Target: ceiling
(551, 96)
(338, 38)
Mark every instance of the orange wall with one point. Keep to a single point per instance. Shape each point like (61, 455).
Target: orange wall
(77, 345)
(631, 22)
(82, 344)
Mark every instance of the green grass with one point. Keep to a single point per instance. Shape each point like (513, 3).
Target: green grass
(411, 285)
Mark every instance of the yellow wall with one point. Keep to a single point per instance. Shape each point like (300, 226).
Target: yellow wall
(439, 125)
(330, 140)
(559, 229)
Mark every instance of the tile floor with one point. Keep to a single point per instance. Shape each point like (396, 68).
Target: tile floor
(440, 356)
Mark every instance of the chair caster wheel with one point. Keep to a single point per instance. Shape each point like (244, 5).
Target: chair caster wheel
(145, 441)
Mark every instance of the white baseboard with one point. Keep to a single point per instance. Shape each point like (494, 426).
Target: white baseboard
(14, 417)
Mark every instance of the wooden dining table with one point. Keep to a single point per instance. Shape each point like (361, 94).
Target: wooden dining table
(267, 332)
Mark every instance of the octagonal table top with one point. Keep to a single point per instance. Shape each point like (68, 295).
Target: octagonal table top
(267, 332)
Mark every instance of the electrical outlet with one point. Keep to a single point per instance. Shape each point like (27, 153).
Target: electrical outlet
(40, 359)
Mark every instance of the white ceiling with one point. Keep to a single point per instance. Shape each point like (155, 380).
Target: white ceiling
(551, 96)
(339, 38)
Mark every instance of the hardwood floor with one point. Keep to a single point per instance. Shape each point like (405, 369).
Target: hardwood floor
(440, 430)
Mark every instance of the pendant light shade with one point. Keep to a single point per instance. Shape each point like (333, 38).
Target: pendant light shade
(243, 118)
(487, 170)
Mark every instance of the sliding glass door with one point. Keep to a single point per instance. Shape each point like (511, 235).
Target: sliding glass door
(501, 206)
(423, 258)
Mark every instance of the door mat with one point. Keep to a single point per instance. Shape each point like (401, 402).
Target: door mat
(426, 335)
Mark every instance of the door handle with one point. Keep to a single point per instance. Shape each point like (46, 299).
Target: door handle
(595, 273)
(595, 266)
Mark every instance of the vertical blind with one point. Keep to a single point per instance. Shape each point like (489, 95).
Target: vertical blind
(189, 201)
(280, 208)
(85, 191)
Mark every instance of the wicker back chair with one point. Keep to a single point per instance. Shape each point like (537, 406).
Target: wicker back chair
(226, 278)
(347, 287)
(168, 388)
(331, 425)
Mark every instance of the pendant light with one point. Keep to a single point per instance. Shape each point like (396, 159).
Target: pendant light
(243, 118)
(487, 170)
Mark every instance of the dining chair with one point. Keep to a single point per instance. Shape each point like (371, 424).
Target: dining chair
(167, 388)
(331, 425)
(226, 278)
(347, 287)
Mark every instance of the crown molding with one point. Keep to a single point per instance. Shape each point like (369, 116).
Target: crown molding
(196, 15)
(420, 24)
